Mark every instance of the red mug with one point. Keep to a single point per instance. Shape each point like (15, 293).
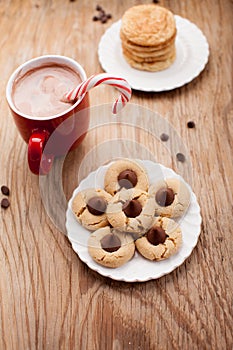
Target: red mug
(69, 126)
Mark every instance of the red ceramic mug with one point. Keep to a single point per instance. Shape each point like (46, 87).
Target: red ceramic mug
(69, 126)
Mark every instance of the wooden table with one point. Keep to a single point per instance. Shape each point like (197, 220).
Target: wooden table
(49, 299)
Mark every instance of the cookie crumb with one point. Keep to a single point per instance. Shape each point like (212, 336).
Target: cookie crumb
(5, 203)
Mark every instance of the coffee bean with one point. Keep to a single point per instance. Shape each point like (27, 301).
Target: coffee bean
(104, 19)
(98, 8)
(164, 137)
(5, 203)
(191, 125)
(5, 190)
(180, 157)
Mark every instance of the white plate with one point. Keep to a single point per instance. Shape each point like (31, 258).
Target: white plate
(192, 52)
(137, 269)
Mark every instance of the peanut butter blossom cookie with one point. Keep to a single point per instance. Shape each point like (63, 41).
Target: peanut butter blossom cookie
(125, 174)
(171, 196)
(89, 207)
(110, 248)
(161, 241)
(131, 210)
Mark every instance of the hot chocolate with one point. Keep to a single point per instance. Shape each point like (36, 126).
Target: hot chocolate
(39, 92)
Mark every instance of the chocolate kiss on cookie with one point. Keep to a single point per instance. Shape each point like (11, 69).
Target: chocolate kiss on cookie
(156, 235)
(110, 243)
(132, 208)
(127, 179)
(162, 240)
(165, 196)
(97, 205)
(111, 248)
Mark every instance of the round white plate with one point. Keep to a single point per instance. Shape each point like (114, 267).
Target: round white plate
(138, 269)
(192, 52)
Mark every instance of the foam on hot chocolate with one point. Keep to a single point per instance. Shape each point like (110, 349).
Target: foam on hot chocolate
(39, 92)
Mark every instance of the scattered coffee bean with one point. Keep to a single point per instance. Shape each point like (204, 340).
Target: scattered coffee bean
(103, 16)
(98, 8)
(164, 137)
(5, 203)
(5, 190)
(104, 19)
(191, 125)
(180, 157)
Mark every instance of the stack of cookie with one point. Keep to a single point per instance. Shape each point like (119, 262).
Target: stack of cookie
(148, 34)
(131, 213)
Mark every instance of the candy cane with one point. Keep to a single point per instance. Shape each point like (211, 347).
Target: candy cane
(104, 78)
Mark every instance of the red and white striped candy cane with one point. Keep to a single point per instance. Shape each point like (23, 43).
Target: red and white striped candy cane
(103, 78)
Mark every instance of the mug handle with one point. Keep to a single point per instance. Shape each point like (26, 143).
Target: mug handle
(39, 163)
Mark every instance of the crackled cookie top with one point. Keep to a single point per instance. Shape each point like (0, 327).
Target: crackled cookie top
(89, 207)
(171, 196)
(161, 241)
(148, 25)
(131, 210)
(125, 173)
(111, 248)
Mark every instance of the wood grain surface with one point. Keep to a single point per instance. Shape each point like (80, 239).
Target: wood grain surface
(49, 299)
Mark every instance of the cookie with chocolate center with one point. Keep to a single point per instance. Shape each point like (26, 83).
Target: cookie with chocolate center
(171, 196)
(89, 207)
(131, 210)
(110, 248)
(125, 174)
(161, 241)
